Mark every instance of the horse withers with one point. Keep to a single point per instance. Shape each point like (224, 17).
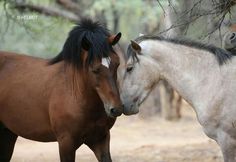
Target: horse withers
(72, 99)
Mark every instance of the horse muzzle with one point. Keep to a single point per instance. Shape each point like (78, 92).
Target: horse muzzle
(116, 111)
(131, 109)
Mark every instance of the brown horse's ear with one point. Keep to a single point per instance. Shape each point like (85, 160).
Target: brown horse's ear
(113, 39)
(115, 61)
(85, 43)
(135, 46)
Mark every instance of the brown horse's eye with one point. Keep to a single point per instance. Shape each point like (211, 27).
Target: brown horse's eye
(129, 69)
(96, 70)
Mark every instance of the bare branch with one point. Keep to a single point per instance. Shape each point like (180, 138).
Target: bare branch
(172, 6)
(225, 5)
(49, 11)
(218, 11)
(70, 6)
(161, 7)
(217, 27)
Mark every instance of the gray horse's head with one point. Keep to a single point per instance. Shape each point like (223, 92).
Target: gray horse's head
(136, 77)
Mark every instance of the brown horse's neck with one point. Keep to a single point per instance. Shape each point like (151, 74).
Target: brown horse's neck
(79, 81)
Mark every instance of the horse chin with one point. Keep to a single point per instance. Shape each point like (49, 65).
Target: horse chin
(132, 110)
(110, 116)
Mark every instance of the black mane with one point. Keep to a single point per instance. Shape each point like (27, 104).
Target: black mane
(221, 55)
(94, 33)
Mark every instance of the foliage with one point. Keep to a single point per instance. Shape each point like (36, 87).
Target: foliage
(134, 15)
(40, 36)
(44, 36)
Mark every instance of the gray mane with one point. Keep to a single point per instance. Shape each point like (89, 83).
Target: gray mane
(221, 55)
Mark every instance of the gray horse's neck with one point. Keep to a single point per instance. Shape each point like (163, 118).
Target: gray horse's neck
(194, 73)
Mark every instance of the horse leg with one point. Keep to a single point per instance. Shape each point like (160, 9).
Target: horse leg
(228, 147)
(67, 149)
(178, 106)
(7, 143)
(101, 149)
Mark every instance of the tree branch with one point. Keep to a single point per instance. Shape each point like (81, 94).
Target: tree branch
(49, 11)
(70, 6)
(218, 10)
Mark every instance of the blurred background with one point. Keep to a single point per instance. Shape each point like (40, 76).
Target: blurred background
(166, 129)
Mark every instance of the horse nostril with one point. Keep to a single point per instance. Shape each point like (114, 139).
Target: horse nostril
(135, 99)
(115, 112)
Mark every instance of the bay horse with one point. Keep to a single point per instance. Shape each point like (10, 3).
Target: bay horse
(71, 99)
(204, 75)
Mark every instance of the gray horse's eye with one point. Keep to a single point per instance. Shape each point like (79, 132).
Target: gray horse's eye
(129, 69)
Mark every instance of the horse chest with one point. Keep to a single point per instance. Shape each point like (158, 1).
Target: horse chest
(222, 121)
(97, 129)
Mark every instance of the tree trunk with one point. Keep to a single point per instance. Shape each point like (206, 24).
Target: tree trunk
(171, 101)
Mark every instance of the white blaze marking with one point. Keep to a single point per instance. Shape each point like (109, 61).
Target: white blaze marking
(105, 62)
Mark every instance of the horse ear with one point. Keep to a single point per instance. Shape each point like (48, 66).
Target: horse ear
(121, 54)
(229, 40)
(85, 43)
(113, 39)
(136, 46)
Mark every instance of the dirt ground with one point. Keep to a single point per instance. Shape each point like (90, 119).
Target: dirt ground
(138, 140)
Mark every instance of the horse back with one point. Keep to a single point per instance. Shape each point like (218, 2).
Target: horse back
(22, 72)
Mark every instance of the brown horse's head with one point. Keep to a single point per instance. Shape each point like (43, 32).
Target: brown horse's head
(101, 74)
(89, 49)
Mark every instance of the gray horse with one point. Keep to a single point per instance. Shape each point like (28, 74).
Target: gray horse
(204, 75)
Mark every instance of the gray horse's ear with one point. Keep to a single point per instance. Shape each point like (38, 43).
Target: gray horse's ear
(136, 46)
(229, 41)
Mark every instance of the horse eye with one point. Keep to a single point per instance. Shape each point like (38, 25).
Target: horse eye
(129, 69)
(96, 70)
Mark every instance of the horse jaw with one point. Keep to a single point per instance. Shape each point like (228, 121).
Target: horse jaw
(133, 95)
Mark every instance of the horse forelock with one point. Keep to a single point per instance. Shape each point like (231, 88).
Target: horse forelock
(97, 36)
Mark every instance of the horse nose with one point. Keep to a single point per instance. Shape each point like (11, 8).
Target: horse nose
(116, 111)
